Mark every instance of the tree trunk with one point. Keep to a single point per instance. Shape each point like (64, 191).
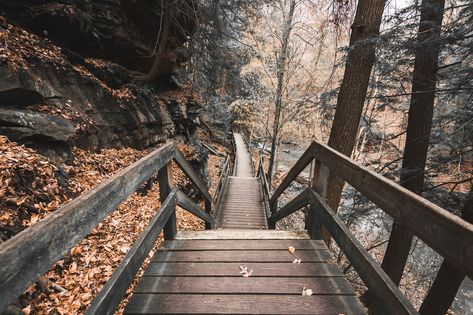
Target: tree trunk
(162, 45)
(281, 65)
(418, 128)
(351, 97)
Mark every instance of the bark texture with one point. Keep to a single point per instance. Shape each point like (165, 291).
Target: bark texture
(281, 65)
(418, 127)
(351, 97)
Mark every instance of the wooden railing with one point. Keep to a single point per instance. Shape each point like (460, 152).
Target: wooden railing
(447, 234)
(37, 248)
(261, 174)
(222, 182)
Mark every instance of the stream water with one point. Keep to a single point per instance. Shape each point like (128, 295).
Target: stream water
(424, 260)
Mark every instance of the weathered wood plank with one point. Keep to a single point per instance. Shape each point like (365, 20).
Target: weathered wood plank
(229, 234)
(233, 269)
(242, 304)
(393, 301)
(320, 185)
(37, 248)
(292, 206)
(113, 291)
(240, 245)
(192, 174)
(300, 165)
(221, 178)
(240, 285)
(446, 233)
(165, 186)
(188, 204)
(243, 256)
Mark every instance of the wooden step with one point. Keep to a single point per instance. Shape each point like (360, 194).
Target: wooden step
(229, 234)
(203, 276)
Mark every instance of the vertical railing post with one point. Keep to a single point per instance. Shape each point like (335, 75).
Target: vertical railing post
(208, 209)
(165, 186)
(319, 184)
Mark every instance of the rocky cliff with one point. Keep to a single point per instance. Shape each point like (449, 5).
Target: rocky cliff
(66, 69)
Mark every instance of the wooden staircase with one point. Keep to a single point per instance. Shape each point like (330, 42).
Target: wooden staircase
(238, 265)
(199, 273)
(203, 272)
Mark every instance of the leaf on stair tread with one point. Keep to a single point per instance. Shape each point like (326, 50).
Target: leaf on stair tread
(245, 272)
(297, 261)
(291, 249)
(307, 292)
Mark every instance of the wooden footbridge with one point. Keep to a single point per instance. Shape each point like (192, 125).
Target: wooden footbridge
(237, 265)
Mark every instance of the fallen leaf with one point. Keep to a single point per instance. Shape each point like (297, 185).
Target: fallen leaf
(245, 272)
(125, 249)
(27, 310)
(297, 261)
(291, 249)
(307, 292)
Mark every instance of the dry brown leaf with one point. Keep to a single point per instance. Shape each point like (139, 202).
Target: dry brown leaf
(291, 249)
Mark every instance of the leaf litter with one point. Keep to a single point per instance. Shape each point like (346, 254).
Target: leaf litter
(32, 187)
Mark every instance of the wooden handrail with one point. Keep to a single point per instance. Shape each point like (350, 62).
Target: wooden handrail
(189, 171)
(221, 178)
(446, 233)
(261, 174)
(115, 288)
(188, 204)
(34, 250)
(449, 235)
(300, 165)
(292, 206)
(378, 282)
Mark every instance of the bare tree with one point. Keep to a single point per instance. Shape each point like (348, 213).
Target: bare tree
(281, 72)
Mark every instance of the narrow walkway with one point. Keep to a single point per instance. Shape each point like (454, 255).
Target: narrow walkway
(242, 200)
(242, 267)
(243, 163)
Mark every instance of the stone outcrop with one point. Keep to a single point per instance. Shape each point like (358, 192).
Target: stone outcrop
(65, 76)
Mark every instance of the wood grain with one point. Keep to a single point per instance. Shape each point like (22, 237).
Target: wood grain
(240, 245)
(446, 233)
(241, 304)
(240, 285)
(188, 204)
(232, 269)
(243, 256)
(394, 302)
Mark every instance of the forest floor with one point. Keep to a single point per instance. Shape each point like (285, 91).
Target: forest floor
(32, 187)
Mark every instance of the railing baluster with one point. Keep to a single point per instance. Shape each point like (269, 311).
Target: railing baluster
(208, 209)
(319, 184)
(165, 186)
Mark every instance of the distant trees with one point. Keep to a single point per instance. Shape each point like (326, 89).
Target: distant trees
(287, 10)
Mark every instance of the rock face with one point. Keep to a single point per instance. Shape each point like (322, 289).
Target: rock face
(123, 31)
(73, 85)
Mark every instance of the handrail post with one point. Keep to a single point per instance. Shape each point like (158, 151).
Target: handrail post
(319, 183)
(208, 209)
(165, 186)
